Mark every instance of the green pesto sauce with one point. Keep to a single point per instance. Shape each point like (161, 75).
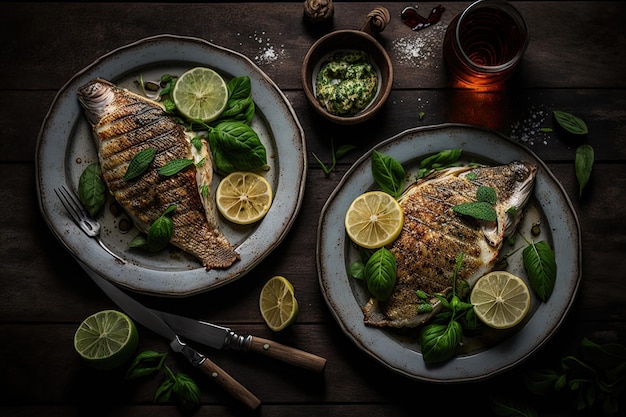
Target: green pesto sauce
(346, 83)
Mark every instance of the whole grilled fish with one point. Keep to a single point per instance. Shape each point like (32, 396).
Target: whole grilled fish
(124, 124)
(433, 235)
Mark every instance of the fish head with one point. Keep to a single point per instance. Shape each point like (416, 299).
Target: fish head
(513, 184)
(95, 96)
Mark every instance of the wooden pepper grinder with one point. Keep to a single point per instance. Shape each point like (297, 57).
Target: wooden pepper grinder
(318, 10)
(376, 21)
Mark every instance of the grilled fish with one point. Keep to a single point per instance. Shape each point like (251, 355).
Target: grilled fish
(433, 235)
(124, 124)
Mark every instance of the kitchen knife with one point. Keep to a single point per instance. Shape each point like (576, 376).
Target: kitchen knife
(220, 337)
(154, 323)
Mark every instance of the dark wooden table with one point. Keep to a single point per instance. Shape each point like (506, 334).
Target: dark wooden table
(576, 62)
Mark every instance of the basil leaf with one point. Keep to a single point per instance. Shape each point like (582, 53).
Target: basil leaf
(380, 274)
(388, 173)
(584, 165)
(239, 88)
(570, 123)
(508, 408)
(186, 392)
(159, 234)
(146, 363)
(445, 157)
(357, 270)
(486, 194)
(174, 167)
(91, 189)
(540, 264)
(540, 381)
(477, 209)
(139, 164)
(236, 147)
(164, 392)
(240, 106)
(439, 341)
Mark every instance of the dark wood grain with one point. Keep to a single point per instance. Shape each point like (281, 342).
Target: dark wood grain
(576, 62)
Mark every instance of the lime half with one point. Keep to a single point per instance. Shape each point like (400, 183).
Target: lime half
(107, 339)
(200, 94)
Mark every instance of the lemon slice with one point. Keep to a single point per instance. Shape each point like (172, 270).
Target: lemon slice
(374, 219)
(278, 304)
(243, 197)
(107, 339)
(200, 94)
(501, 299)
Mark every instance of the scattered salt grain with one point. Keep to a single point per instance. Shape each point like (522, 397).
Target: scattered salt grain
(266, 53)
(421, 48)
(529, 129)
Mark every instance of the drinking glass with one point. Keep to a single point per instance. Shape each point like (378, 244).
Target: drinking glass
(485, 43)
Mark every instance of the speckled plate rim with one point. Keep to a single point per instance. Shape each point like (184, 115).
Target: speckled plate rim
(166, 274)
(345, 297)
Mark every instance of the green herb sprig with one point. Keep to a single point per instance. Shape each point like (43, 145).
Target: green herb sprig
(180, 387)
(592, 381)
(443, 159)
(440, 338)
(335, 155)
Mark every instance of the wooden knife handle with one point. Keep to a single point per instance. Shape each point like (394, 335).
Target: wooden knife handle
(287, 354)
(228, 383)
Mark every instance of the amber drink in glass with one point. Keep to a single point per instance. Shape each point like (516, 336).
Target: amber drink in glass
(485, 43)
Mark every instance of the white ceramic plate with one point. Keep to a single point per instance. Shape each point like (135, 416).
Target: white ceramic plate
(494, 352)
(65, 148)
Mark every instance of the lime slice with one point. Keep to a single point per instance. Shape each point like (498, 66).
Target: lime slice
(278, 303)
(200, 94)
(243, 197)
(374, 219)
(107, 339)
(501, 299)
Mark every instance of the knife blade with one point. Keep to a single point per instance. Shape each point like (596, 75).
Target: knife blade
(151, 321)
(220, 337)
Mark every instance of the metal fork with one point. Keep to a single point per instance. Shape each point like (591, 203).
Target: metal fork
(80, 216)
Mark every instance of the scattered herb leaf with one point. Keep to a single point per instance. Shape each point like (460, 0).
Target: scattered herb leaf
(388, 174)
(486, 194)
(570, 123)
(583, 165)
(145, 363)
(174, 167)
(236, 147)
(380, 274)
(439, 160)
(91, 189)
(139, 164)
(540, 264)
(479, 210)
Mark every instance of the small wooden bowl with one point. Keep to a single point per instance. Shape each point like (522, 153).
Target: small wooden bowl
(347, 40)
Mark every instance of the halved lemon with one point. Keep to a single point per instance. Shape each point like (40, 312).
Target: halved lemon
(278, 304)
(200, 94)
(501, 300)
(106, 339)
(374, 219)
(243, 197)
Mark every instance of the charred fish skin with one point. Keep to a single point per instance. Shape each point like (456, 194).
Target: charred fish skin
(125, 123)
(433, 235)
